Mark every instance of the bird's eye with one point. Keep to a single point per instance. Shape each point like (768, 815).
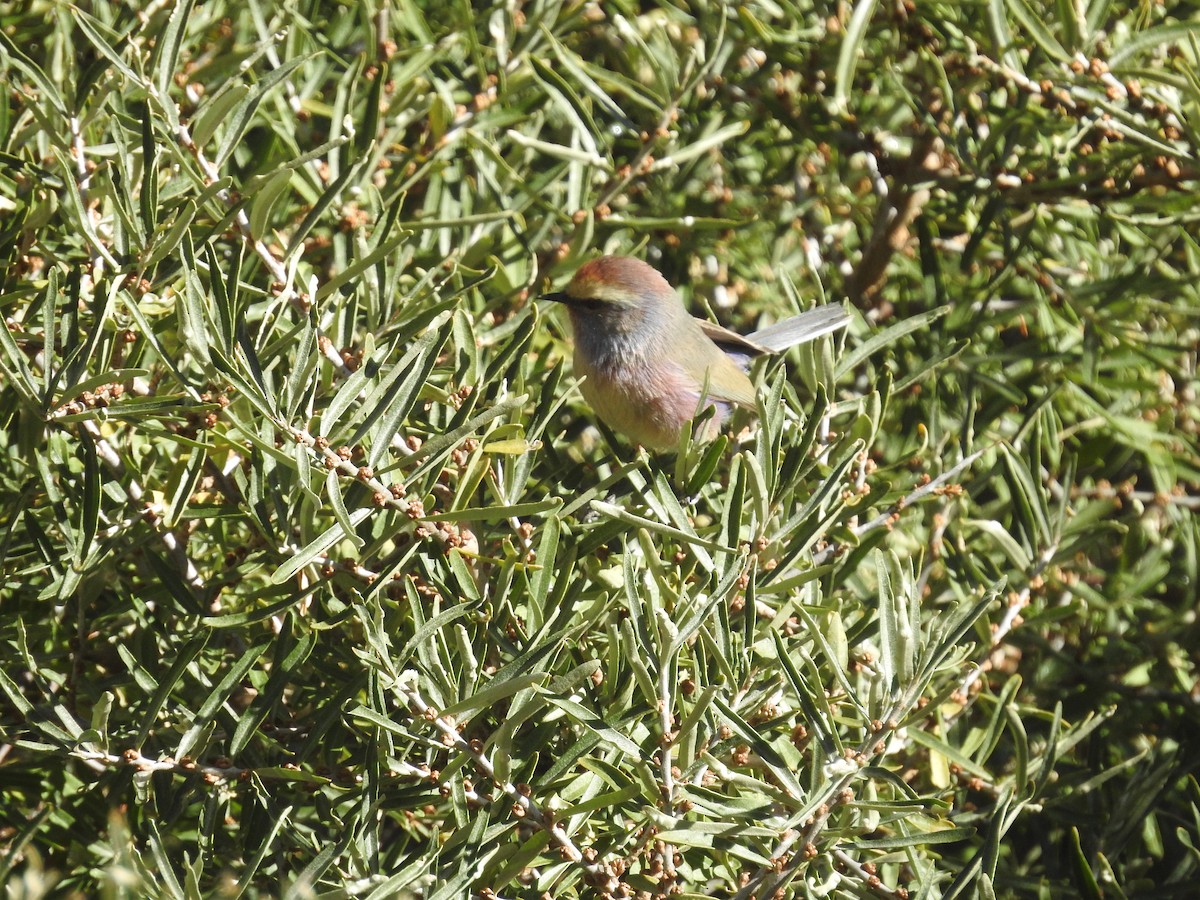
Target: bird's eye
(591, 305)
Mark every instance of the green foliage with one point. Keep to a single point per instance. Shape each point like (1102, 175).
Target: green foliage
(317, 579)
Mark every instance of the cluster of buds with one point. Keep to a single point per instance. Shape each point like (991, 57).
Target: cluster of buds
(197, 420)
(100, 398)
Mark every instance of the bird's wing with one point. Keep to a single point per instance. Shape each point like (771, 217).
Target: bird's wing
(718, 375)
(797, 330)
(731, 341)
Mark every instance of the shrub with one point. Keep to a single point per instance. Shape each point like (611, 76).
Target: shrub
(319, 580)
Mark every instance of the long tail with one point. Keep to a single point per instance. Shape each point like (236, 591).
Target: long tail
(805, 327)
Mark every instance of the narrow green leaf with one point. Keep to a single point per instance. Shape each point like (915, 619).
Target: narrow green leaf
(314, 215)
(215, 111)
(91, 29)
(1157, 36)
(849, 54)
(1085, 878)
(429, 629)
(303, 369)
(888, 336)
(217, 697)
(164, 863)
(264, 201)
(889, 626)
(368, 130)
(182, 485)
(487, 697)
(289, 655)
(398, 395)
(921, 839)
(816, 714)
(279, 818)
(780, 771)
(615, 512)
(168, 683)
(698, 148)
(361, 265)
(518, 862)
(1034, 25)
(240, 119)
(316, 547)
(592, 722)
(1016, 730)
(333, 489)
(46, 89)
(347, 395)
(161, 248)
(165, 60)
(82, 219)
(499, 513)
(1002, 34)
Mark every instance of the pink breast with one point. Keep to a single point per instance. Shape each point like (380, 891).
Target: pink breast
(648, 402)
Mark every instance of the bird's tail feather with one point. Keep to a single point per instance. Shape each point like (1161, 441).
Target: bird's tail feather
(802, 328)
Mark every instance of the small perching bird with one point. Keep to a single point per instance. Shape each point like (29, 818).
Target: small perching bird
(646, 362)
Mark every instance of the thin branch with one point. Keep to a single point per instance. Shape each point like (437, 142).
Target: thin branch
(939, 485)
(221, 772)
(524, 806)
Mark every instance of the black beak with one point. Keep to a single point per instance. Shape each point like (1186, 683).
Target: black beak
(556, 297)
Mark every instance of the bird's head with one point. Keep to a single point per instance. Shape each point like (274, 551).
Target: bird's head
(618, 294)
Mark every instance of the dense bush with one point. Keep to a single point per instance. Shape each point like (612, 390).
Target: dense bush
(318, 579)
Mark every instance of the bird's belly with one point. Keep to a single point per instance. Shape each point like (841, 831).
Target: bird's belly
(650, 404)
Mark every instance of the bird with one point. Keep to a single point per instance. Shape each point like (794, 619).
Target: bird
(646, 362)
